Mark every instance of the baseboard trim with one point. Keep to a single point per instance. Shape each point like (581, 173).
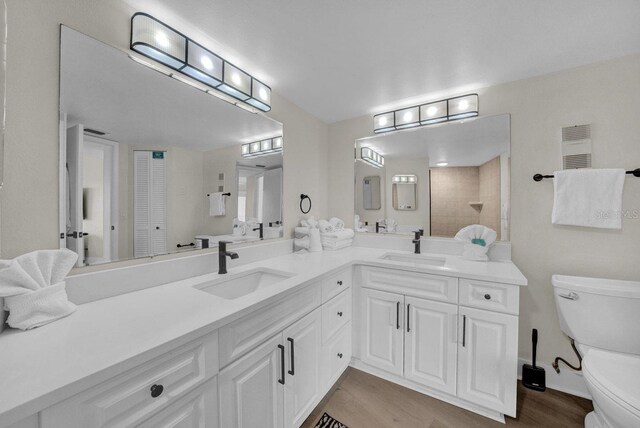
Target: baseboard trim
(567, 381)
(491, 414)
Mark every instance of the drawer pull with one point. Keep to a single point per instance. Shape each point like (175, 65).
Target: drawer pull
(487, 296)
(340, 313)
(156, 391)
(339, 282)
(339, 354)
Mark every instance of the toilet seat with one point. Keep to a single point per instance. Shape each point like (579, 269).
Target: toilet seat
(616, 376)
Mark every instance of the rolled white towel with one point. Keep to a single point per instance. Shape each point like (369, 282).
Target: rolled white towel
(337, 223)
(325, 226)
(301, 243)
(314, 240)
(339, 235)
(310, 222)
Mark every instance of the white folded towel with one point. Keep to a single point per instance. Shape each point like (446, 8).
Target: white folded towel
(325, 226)
(391, 225)
(337, 245)
(337, 223)
(34, 289)
(338, 235)
(310, 222)
(216, 204)
(477, 239)
(314, 240)
(301, 243)
(588, 198)
(301, 232)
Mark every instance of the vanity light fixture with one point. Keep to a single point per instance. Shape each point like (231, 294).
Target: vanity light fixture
(442, 164)
(427, 114)
(156, 40)
(405, 179)
(372, 157)
(262, 147)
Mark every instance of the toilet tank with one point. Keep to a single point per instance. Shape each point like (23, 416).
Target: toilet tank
(602, 313)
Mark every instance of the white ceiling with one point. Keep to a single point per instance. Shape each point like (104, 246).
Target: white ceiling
(103, 89)
(341, 59)
(463, 143)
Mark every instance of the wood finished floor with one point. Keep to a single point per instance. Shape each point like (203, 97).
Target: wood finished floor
(361, 400)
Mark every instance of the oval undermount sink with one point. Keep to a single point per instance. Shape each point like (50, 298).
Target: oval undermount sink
(415, 258)
(241, 284)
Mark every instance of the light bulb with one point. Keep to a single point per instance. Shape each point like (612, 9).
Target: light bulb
(382, 121)
(407, 116)
(262, 93)
(463, 105)
(442, 164)
(431, 111)
(206, 62)
(235, 78)
(162, 39)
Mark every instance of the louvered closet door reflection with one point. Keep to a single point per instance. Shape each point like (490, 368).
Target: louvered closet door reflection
(149, 199)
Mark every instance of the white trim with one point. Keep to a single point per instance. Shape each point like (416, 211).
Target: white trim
(568, 381)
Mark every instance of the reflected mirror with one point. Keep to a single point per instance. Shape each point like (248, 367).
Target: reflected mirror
(439, 178)
(152, 165)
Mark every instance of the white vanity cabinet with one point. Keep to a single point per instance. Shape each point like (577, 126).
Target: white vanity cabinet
(184, 376)
(440, 334)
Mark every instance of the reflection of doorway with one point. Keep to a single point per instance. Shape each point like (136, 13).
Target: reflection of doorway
(100, 196)
(259, 194)
(90, 196)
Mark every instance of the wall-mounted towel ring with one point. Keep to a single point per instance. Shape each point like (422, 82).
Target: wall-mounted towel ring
(304, 197)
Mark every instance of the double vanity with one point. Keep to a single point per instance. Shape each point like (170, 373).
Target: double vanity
(262, 345)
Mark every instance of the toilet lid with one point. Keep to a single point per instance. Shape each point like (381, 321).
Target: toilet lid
(616, 374)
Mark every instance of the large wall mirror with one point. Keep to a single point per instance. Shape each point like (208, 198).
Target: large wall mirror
(439, 178)
(150, 165)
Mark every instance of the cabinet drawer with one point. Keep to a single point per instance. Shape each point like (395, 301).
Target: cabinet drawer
(335, 284)
(126, 400)
(245, 334)
(336, 355)
(335, 314)
(197, 409)
(416, 284)
(489, 295)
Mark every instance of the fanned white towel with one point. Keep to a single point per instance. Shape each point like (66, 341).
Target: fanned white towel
(301, 232)
(338, 235)
(588, 198)
(301, 243)
(477, 239)
(34, 289)
(325, 226)
(314, 240)
(337, 223)
(216, 204)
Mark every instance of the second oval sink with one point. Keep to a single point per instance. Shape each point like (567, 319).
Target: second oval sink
(241, 284)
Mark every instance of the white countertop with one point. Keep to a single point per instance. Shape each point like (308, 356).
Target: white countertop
(41, 367)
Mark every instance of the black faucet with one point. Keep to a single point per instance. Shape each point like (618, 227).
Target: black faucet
(421, 232)
(416, 240)
(260, 228)
(378, 227)
(222, 256)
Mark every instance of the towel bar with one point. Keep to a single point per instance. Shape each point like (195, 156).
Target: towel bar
(224, 194)
(539, 177)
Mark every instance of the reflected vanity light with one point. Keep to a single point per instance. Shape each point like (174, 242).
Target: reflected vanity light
(427, 114)
(405, 179)
(372, 157)
(442, 164)
(156, 40)
(262, 147)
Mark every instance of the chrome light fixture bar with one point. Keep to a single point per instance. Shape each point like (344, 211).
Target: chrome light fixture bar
(404, 179)
(372, 157)
(158, 41)
(427, 114)
(262, 147)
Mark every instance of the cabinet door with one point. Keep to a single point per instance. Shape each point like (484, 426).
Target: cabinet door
(197, 409)
(303, 341)
(251, 393)
(488, 359)
(430, 344)
(382, 324)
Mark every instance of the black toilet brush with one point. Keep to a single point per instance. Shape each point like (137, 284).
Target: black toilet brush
(534, 377)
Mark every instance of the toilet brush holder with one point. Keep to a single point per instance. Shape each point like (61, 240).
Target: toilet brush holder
(534, 377)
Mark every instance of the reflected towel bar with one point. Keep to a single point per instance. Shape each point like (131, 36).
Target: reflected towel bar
(224, 194)
(539, 177)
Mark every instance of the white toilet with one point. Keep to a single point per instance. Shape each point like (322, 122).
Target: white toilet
(603, 317)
